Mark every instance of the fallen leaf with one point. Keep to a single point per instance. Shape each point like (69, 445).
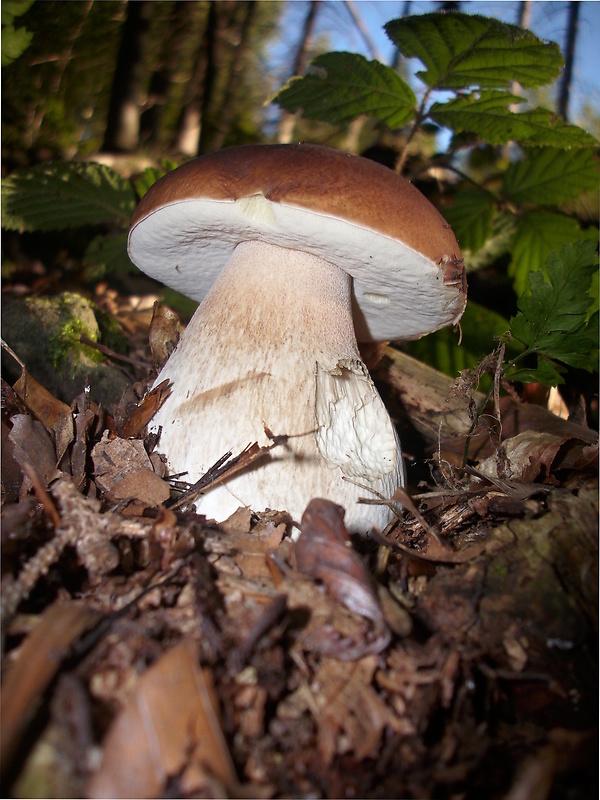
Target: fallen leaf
(168, 724)
(123, 471)
(32, 445)
(531, 455)
(164, 334)
(55, 415)
(136, 419)
(324, 551)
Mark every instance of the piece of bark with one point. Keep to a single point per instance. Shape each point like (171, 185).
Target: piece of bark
(36, 664)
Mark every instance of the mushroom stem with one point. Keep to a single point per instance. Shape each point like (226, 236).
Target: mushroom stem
(273, 343)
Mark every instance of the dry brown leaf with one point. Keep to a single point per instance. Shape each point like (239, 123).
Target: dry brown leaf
(163, 335)
(124, 471)
(324, 551)
(531, 455)
(32, 445)
(140, 415)
(36, 664)
(55, 415)
(168, 725)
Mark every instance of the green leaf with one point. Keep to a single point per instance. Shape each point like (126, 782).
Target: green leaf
(10, 9)
(342, 86)
(470, 217)
(57, 195)
(107, 254)
(552, 321)
(503, 229)
(546, 372)
(538, 234)
(480, 327)
(463, 50)
(152, 174)
(549, 176)
(14, 40)
(487, 114)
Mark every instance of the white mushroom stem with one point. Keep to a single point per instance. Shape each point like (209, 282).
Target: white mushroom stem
(273, 343)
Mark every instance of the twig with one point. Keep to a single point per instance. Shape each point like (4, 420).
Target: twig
(112, 354)
(227, 465)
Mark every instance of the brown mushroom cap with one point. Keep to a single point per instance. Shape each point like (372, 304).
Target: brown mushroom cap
(357, 214)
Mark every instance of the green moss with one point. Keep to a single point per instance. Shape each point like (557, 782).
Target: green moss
(111, 334)
(66, 347)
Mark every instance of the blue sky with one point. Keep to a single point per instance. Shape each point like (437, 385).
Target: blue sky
(548, 21)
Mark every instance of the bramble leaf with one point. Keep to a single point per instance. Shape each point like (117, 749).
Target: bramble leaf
(341, 86)
(552, 321)
(58, 195)
(479, 328)
(462, 50)
(486, 114)
(470, 217)
(14, 40)
(107, 254)
(550, 176)
(538, 234)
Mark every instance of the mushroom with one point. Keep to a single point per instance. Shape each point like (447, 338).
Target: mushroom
(294, 251)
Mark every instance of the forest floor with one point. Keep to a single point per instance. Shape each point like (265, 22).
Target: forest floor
(149, 652)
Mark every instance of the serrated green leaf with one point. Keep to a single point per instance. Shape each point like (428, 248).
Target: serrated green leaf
(487, 114)
(463, 50)
(503, 229)
(10, 9)
(60, 195)
(151, 174)
(480, 330)
(549, 176)
(107, 254)
(538, 234)
(14, 42)
(547, 372)
(552, 319)
(470, 217)
(343, 86)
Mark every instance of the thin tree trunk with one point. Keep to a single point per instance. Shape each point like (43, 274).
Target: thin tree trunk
(179, 26)
(523, 20)
(210, 73)
(123, 120)
(188, 128)
(565, 87)
(524, 14)
(194, 131)
(287, 121)
(224, 119)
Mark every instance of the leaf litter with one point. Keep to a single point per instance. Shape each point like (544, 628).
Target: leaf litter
(443, 657)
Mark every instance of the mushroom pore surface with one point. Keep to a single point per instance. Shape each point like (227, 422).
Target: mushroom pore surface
(273, 344)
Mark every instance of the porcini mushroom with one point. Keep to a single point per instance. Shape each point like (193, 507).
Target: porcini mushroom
(294, 251)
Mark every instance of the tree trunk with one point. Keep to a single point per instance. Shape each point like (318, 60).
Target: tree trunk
(223, 120)
(180, 25)
(524, 14)
(123, 120)
(192, 130)
(565, 88)
(287, 121)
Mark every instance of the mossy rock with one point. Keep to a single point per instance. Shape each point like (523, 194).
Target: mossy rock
(45, 334)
